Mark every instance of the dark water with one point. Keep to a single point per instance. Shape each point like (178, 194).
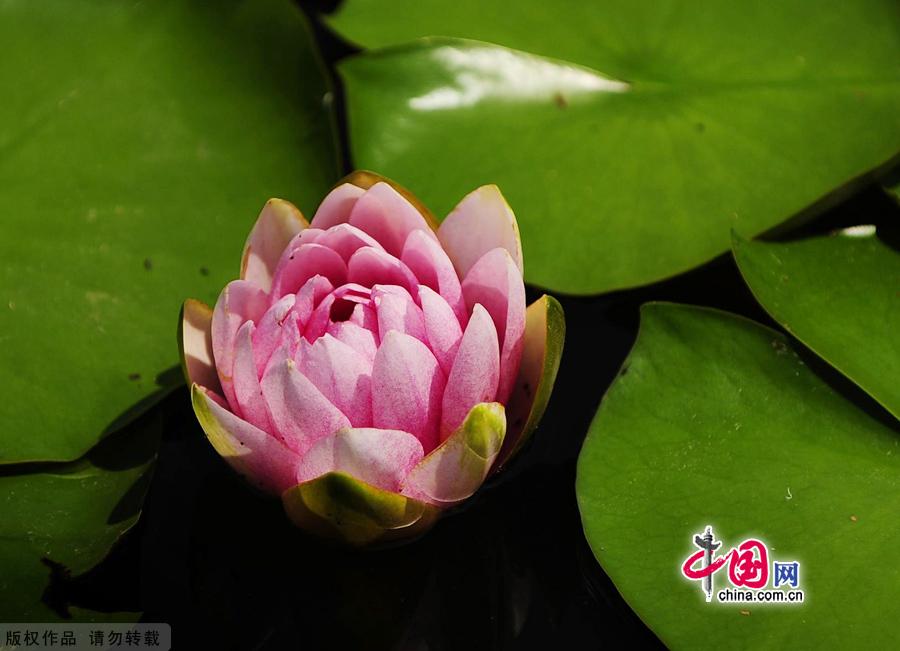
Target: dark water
(511, 570)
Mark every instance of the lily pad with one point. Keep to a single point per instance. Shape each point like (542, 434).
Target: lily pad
(715, 420)
(630, 136)
(138, 142)
(840, 296)
(58, 520)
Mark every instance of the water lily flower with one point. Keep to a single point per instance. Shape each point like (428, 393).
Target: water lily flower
(369, 367)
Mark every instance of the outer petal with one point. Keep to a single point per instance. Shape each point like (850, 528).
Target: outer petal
(380, 457)
(545, 334)
(455, 470)
(494, 281)
(261, 458)
(239, 302)
(307, 261)
(246, 380)
(475, 373)
(442, 329)
(276, 226)
(482, 221)
(336, 207)
(365, 179)
(195, 344)
(341, 374)
(428, 261)
(341, 507)
(297, 409)
(371, 267)
(396, 310)
(385, 215)
(407, 385)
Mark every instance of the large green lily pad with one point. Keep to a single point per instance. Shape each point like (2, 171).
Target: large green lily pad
(62, 519)
(644, 130)
(840, 296)
(715, 420)
(138, 142)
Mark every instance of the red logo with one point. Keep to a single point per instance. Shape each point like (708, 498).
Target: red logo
(748, 571)
(748, 563)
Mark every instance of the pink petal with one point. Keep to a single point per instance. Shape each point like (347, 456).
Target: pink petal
(396, 310)
(246, 380)
(346, 239)
(319, 320)
(442, 329)
(475, 373)
(196, 345)
(239, 302)
(310, 297)
(342, 375)
(482, 221)
(495, 282)
(337, 206)
(306, 236)
(354, 292)
(306, 261)
(364, 316)
(268, 333)
(384, 214)
(291, 337)
(407, 385)
(262, 458)
(431, 266)
(278, 223)
(381, 457)
(281, 355)
(361, 340)
(372, 267)
(299, 412)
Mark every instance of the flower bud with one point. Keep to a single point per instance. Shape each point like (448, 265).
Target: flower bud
(370, 368)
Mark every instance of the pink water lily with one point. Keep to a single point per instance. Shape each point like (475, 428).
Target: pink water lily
(369, 367)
